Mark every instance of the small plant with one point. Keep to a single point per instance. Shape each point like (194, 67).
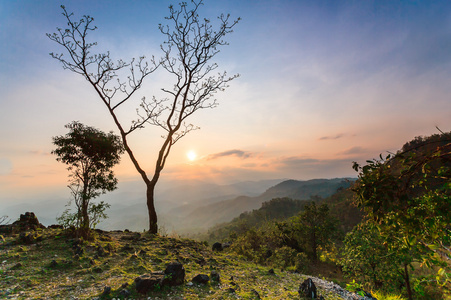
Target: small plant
(383, 296)
(355, 287)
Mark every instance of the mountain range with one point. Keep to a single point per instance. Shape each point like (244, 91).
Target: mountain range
(189, 206)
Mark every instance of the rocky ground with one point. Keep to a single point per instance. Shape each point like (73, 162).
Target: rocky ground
(48, 264)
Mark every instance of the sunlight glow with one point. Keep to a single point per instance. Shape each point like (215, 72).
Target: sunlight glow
(191, 155)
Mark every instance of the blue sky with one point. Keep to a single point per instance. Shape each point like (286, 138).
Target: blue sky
(322, 84)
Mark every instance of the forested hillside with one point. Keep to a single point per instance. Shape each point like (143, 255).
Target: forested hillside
(390, 231)
(203, 217)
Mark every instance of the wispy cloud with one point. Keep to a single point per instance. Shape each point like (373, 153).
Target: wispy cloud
(354, 150)
(336, 137)
(39, 152)
(235, 152)
(301, 167)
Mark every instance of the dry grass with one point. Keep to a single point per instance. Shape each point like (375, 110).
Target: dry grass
(50, 269)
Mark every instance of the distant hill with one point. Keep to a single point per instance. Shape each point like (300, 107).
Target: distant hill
(203, 217)
(279, 209)
(174, 202)
(187, 207)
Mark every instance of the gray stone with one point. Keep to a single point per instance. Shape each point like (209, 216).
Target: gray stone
(308, 289)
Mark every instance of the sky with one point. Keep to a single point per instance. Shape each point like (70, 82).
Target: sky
(322, 84)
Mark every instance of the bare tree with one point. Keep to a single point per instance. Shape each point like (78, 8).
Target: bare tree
(4, 220)
(190, 45)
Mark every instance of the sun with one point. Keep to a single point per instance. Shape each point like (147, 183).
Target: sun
(191, 155)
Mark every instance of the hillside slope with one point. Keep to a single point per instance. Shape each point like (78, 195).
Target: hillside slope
(55, 266)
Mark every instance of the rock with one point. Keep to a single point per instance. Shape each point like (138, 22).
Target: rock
(214, 275)
(79, 251)
(201, 261)
(125, 293)
(127, 248)
(101, 251)
(308, 289)
(29, 238)
(53, 264)
(106, 290)
(174, 274)
(217, 247)
(55, 226)
(27, 221)
(30, 219)
(148, 282)
(201, 279)
(16, 266)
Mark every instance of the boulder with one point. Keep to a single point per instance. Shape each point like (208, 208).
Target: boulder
(217, 247)
(201, 279)
(174, 274)
(308, 289)
(148, 282)
(27, 221)
(214, 275)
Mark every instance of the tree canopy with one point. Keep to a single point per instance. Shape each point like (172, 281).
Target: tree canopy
(90, 155)
(408, 196)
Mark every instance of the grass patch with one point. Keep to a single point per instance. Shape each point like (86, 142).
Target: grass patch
(60, 267)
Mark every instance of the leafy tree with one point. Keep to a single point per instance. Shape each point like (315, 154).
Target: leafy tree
(366, 256)
(90, 155)
(314, 228)
(190, 46)
(408, 195)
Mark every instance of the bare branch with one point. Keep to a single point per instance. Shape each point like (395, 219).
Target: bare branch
(190, 45)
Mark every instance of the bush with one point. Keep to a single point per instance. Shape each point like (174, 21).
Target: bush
(302, 263)
(283, 257)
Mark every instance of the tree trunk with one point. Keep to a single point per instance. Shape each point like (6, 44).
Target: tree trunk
(407, 280)
(84, 211)
(153, 227)
(314, 245)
